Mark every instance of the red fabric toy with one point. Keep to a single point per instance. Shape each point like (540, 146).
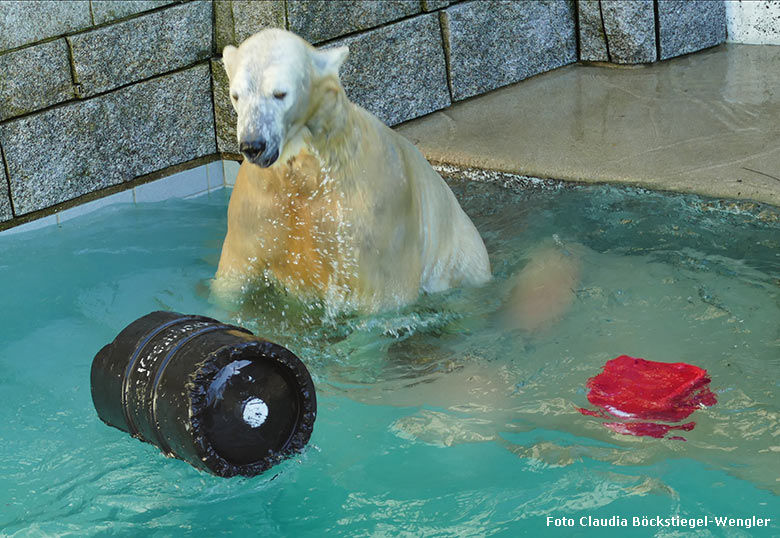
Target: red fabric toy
(635, 390)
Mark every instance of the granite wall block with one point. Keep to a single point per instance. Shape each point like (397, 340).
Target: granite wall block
(320, 20)
(33, 78)
(224, 31)
(593, 40)
(224, 115)
(109, 10)
(689, 25)
(432, 5)
(29, 21)
(619, 31)
(238, 19)
(65, 152)
(142, 47)
(398, 72)
(495, 43)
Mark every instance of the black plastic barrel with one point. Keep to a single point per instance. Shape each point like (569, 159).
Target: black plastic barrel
(211, 394)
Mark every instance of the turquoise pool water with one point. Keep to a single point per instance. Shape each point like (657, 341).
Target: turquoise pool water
(433, 421)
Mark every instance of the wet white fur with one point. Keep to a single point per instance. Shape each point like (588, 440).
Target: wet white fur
(389, 225)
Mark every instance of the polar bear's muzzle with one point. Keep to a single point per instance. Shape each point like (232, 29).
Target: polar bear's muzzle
(259, 152)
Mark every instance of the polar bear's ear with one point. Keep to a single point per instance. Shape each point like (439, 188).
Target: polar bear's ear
(328, 61)
(228, 55)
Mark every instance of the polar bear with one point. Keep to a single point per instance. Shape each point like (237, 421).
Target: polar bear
(329, 203)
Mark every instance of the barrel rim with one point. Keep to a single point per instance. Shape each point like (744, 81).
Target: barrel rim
(202, 378)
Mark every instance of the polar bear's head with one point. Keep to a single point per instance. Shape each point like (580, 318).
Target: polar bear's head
(271, 78)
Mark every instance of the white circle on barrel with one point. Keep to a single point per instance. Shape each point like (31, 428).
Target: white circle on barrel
(255, 412)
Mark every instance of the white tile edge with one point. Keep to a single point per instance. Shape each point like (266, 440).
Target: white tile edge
(49, 220)
(215, 172)
(230, 171)
(212, 178)
(179, 185)
(124, 197)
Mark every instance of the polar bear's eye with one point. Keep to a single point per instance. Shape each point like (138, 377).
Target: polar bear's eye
(278, 94)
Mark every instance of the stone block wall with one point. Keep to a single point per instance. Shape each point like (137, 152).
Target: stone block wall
(99, 95)
(492, 44)
(644, 31)
(94, 94)
(409, 58)
(620, 31)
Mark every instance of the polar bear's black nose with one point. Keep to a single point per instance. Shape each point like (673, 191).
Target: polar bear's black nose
(252, 149)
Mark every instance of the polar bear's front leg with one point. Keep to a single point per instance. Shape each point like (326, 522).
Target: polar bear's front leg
(231, 279)
(545, 288)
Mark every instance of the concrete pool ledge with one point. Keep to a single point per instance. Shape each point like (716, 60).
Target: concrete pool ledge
(706, 123)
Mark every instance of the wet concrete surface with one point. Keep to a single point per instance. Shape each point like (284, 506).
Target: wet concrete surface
(706, 123)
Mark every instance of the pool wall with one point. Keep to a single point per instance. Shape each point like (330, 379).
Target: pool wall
(98, 97)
